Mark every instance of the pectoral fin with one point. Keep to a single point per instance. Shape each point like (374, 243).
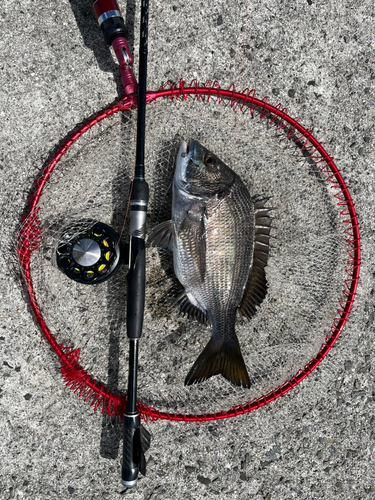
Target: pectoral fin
(163, 235)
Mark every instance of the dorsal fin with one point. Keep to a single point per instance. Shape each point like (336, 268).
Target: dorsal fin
(256, 288)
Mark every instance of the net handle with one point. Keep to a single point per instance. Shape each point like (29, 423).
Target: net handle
(93, 391)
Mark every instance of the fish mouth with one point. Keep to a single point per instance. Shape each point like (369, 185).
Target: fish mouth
(187, 147)
(190, 148)
(184, 156)
(181, 163)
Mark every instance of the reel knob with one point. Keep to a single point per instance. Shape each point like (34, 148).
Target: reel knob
(89, 257)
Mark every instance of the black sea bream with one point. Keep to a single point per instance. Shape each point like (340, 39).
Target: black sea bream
(219, 236)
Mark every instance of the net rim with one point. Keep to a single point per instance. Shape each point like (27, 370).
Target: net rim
(93, 391)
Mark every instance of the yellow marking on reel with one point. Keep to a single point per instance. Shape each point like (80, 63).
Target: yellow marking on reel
(108, 255)
(102, 269)
(65, 262)
(64, 248)
(105, 243)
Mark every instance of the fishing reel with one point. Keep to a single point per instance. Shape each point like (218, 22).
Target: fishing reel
(90, 256)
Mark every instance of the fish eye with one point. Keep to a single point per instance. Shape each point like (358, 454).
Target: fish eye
(209, 161)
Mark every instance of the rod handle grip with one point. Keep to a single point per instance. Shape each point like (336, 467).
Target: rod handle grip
(136, 289)
(131, 450)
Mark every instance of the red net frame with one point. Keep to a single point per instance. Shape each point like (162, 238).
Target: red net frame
(93, 391)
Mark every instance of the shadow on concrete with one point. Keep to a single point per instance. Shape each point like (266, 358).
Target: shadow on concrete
(93, 39)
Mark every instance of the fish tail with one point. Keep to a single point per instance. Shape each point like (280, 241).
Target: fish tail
(224, 358)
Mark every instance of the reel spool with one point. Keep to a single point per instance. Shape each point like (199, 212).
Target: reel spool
(91, 256)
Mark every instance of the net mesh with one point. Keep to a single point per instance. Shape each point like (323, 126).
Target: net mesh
(305, 272)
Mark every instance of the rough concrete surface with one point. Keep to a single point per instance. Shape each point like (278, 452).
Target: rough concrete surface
(315, 57)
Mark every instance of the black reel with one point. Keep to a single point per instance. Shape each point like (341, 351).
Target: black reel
(91, 256)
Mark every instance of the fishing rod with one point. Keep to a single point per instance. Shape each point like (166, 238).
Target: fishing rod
(136, 437)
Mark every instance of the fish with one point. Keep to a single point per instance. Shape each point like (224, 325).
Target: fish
(219, 236)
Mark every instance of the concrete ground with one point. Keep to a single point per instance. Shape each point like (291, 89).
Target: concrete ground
(315, 57)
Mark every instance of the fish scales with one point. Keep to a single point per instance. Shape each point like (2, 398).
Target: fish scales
(227, 222)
